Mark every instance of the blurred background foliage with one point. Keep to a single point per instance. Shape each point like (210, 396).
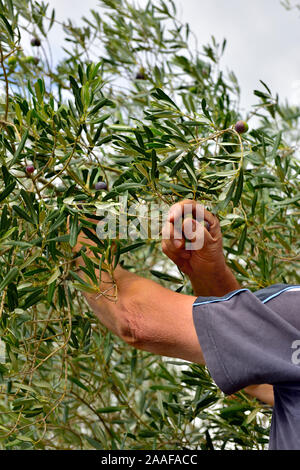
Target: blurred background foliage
(137, 104)
(290, 4)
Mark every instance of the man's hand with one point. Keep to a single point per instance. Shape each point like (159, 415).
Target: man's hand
(206, 266)
(140, 311)
(192, 262)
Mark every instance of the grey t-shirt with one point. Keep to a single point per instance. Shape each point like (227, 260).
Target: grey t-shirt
(254, 338)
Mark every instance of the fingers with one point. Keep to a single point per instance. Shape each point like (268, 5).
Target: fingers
(188, 208)
(173, 244)
(191, 229)
(182, 208)
(172, 237)
(196, 234)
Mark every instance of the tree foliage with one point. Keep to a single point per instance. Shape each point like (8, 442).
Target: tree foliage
(290, 4)
(134, 103)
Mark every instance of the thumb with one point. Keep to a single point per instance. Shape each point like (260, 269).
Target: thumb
(196, 234)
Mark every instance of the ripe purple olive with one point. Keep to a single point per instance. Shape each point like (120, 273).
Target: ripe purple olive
(241, 127)
(100, 185)
(141, 74)
(35, 42)
(30, 169)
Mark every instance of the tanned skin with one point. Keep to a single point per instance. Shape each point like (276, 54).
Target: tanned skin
(140, 311)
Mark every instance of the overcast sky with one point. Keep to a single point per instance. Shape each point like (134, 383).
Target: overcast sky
(263, 39)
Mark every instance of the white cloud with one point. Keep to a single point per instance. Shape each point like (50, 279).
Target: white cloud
(263, 38)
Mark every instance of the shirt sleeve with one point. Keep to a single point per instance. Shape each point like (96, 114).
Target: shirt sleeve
(247, 340)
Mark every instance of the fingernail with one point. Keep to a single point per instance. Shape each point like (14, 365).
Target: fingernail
(177, 243)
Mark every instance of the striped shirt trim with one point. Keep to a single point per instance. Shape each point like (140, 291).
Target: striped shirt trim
(259, 296)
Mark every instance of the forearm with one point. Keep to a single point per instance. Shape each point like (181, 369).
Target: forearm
(263, 393)
(162, 321)
(152, 318)
(109, 303)
(149, 316)
(217, 280)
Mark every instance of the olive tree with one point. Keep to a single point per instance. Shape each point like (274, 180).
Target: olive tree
(137, 110)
